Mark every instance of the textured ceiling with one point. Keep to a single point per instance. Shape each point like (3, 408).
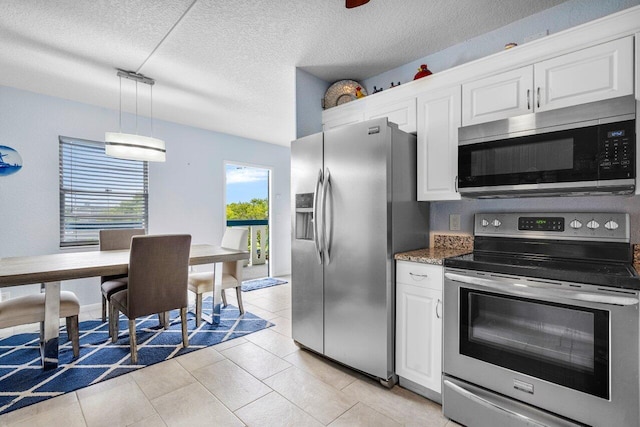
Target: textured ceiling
(227, 66)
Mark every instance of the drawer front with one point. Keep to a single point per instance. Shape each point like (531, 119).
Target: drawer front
(417, 274)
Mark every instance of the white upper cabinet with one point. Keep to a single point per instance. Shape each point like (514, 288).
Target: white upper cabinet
(497, 97)
(398, 105)
(402, 113)
(438, 122)
(340, 116)
(600, 72)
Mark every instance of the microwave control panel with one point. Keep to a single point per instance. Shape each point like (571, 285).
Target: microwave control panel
(617, 148)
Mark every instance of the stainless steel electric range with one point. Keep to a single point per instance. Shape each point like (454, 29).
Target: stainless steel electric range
(541, 323)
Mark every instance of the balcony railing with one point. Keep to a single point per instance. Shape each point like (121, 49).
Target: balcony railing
(258, 237)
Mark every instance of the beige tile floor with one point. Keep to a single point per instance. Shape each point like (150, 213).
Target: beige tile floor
(262, 379)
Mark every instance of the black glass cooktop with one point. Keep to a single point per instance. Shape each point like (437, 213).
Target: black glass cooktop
(614, 274)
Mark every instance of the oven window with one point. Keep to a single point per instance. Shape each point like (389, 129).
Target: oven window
(563, 344)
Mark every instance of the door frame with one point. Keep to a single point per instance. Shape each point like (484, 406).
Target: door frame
(269, 198)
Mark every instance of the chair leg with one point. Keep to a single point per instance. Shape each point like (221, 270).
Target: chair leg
(104, 308)
(162, 320)
(114, 323)
(67, 321)
(74, 333)
(239, 295)
(132, 342)
(183, 320)
(198, 310)
(224, 297)
(166, 320)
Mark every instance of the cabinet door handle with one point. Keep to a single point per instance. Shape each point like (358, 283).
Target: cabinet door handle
(455, 183)
(538, 96)
(420, 276)
(438, 304)
(528, 99)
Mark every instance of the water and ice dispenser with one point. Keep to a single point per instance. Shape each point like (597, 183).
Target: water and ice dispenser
(304, 216)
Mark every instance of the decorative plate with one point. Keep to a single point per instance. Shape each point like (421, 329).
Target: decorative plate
(10, 160)
(341, 92)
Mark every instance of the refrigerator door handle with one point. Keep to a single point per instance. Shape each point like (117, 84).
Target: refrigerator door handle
(316, 237)
(325, 234)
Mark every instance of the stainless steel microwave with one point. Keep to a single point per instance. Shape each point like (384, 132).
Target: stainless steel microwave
(582, 150)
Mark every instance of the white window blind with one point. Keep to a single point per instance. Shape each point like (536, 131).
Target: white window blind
(99, 192)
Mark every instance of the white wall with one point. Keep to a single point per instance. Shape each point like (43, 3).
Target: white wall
(309, 93)
(186, 194)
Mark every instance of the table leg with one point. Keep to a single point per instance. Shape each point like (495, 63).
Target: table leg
(51, 328)
(217, 301)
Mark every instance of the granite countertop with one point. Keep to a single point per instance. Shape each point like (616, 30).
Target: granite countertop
(444, 246)
(430, 255)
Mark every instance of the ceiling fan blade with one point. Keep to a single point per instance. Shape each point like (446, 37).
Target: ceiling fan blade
(355, 3)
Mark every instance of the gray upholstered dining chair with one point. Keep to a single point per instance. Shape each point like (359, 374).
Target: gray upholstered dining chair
(201, 282)
(113, 239)
(158, 272)
(30, 309)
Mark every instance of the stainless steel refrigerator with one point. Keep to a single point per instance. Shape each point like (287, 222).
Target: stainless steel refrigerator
(354, 207)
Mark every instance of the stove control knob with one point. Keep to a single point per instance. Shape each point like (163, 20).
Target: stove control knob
(611, 225)
(593, 224)
(496, 223)
(484, 223)
(575, 224)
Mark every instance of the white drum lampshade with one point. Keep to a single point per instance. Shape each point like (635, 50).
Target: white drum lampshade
(134, 147)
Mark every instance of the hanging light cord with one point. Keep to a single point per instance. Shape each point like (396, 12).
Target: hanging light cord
(120, 118)
(151, 108)
(136, 107)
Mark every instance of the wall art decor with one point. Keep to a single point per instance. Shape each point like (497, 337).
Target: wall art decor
(10, 161)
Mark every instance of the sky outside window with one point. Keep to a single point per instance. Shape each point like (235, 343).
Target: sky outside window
(245, 183)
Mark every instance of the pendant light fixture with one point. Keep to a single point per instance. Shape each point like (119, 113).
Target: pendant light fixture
(133, 146)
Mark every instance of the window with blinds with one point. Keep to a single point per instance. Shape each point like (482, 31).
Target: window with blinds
(99, 192)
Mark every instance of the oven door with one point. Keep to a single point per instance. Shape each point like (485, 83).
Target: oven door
(559, 346)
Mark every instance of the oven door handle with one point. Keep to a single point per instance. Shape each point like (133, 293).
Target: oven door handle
(491, 405)
(543, 291)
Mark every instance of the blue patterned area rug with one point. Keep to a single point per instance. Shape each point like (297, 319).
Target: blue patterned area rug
(252, 285)
(23, 382)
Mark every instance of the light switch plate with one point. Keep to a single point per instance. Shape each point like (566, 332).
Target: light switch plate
(454, 222)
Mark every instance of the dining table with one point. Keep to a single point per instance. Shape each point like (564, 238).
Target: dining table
(50, 270)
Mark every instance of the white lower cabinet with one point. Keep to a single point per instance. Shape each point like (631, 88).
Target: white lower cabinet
(419, 324)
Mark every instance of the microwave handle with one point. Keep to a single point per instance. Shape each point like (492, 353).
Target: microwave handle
(528, 99)
(542, 291)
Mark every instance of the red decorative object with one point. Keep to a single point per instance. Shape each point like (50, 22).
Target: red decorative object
(355, 3)
(423, 71)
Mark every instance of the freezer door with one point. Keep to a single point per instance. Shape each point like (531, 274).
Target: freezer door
(306, 260)
(357, 278)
